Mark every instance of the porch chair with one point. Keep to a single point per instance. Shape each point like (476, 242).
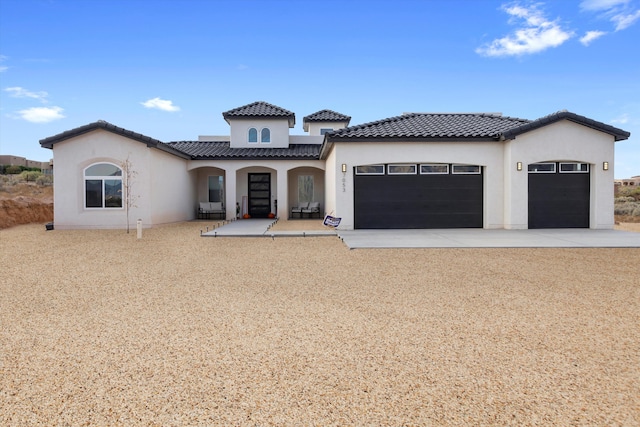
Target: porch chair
(298, 209)
(207, 209)
(312, 209)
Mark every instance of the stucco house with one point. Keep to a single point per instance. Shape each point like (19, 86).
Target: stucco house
(416, 170)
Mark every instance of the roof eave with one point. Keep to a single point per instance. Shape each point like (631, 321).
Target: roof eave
(618, 134)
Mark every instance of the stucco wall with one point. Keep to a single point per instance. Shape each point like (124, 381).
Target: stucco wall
(561, 141)
(315, 127)
(487, 154)
(279, 132)
(172, 187)
(72, 156)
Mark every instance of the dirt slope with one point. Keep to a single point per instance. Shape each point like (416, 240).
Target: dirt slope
(25, 203)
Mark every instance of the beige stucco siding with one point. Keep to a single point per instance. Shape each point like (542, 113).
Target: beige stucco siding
(172, 189)
(560, 141)
(279, 129)
(487, 154)
(71, 157)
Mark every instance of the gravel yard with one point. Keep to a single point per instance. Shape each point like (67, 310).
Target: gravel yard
(98, 328)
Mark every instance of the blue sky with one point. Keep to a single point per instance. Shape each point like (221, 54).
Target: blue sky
(168, 69)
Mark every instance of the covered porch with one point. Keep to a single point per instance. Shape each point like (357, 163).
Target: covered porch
(259, 190)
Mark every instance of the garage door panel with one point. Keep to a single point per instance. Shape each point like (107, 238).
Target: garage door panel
(418, 201)
(559, 200)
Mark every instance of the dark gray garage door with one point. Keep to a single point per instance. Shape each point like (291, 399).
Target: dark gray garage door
(450, 198)
(559, 195)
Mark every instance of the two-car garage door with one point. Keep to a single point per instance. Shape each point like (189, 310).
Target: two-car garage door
(418, 196)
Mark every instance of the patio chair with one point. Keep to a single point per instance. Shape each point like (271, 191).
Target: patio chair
(313, 209)
(208, 209)
(298, 209)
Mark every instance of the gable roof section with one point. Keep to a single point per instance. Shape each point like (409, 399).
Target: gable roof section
(434, 126)
(101, 124)
(260, 109)
(618, 134)
(212, 150)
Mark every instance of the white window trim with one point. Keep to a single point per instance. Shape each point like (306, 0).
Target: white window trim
(434, 173)
(415, 169)
(370, 173)
(453, 170)
(543, 163)
(102, 178)
(573, 163)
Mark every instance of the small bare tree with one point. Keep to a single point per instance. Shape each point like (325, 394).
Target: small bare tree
(129, 198)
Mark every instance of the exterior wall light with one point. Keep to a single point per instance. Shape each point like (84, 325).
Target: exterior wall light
(605, 166)
(344, 168)
(519, 166)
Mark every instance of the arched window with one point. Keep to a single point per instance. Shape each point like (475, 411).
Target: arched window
(265, 135)
(253, 135)
(103, 186)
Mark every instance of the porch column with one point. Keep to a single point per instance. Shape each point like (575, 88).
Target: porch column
(230, 193)
(282, 194)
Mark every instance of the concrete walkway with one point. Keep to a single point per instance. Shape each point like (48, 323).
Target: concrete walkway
(448, 238)
(260, 228)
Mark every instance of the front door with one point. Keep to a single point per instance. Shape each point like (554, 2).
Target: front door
(259, 195)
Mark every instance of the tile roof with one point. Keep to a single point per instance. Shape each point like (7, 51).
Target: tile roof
(618, 134)
(212, 150)
(431, 126)
(260, 109)
(101, 124)
(326, 116)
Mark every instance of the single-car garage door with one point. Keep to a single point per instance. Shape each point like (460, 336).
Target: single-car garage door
(559, 195)
(418, 196)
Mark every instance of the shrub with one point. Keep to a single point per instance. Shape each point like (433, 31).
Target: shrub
(43, 180)
(13, 170)
(30, 175)
(628, 208)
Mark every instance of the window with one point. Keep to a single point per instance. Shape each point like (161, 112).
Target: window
(216, 188)
(103, 186)
(434, 168)
(253, 135)
(370, 170)
(305, 188)
(574, 168)
(325, 130)
(265, 135)
(401, 169)
(542, 168)
(466, 169)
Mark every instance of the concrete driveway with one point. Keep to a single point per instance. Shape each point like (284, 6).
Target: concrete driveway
(446, 238)
(480, 238)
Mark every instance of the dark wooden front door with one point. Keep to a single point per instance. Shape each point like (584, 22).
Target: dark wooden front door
(259, 195)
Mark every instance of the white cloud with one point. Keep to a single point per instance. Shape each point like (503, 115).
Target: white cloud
(625, 20)
(161, 104)
(536, 34)
(41, 114)
(19, 92)
(624, 118)
(620, 12)
(3, 67)
(591, 36)
(601, 4)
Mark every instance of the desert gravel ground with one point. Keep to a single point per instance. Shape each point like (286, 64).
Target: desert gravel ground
(98, 328)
